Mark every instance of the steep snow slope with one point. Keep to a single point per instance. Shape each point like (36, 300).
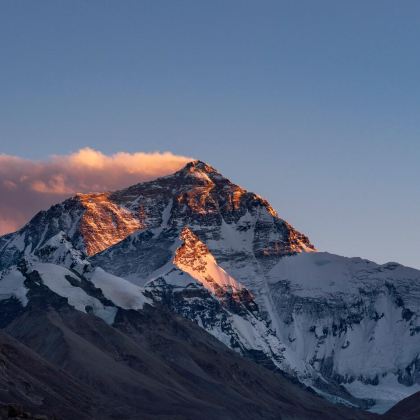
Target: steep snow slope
(12, 285)
(350, 319)
(119, 291)
(194, 258)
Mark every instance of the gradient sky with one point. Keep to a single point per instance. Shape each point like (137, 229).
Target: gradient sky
(313, 104)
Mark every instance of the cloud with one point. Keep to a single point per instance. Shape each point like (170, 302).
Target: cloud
(27, 186)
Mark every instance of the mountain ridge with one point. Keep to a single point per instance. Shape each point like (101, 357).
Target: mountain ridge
(204, 248)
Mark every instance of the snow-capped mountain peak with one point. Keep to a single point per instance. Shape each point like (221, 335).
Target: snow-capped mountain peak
(221, 256)
(197, 194)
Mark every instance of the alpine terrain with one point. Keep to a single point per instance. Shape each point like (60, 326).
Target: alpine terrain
(189, 297)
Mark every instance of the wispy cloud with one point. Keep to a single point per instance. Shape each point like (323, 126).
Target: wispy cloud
(27, 186)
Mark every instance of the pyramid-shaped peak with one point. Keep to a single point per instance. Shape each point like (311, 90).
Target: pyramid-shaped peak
(198, 169)
(198, 165)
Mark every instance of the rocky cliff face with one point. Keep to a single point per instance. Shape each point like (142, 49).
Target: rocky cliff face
(210, 251)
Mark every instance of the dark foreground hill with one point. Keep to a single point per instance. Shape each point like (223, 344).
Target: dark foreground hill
(149, 365)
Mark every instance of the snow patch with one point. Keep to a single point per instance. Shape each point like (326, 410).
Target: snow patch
(121, 292)
(54, 277)
(386, 394)
(12, 284)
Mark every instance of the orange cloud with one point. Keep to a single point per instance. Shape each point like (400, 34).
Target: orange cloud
(7, 225)
(27, 186)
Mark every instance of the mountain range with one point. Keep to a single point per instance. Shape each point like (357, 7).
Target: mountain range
(187, 297)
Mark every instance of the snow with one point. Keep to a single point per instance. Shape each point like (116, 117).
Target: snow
(216, 273)
(12, 284)
(323, 274)
(317, 274)
(388, 393)
(316, 291)
(201, 175)
(249, 331)
(233, 239)
(178, 278)
(53, 276)
(121, 292)
(251, 334)
(17, 241)
(203, 268)
(166, 214)
(61, 251)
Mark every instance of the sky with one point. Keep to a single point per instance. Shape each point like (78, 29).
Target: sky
(313, 105)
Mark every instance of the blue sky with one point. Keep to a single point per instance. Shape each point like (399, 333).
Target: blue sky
(313, 104)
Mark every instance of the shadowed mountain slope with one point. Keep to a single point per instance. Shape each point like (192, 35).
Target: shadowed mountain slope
(149, 365)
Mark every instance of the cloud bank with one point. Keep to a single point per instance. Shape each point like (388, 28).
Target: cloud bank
(27, 186)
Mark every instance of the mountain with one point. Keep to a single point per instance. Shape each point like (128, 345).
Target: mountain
(197, 246)
(149, 364)
(196, 195)
(408, 408)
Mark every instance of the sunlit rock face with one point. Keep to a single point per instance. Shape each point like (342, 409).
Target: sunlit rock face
(194, 258)
(104, 223)
(220, 256)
